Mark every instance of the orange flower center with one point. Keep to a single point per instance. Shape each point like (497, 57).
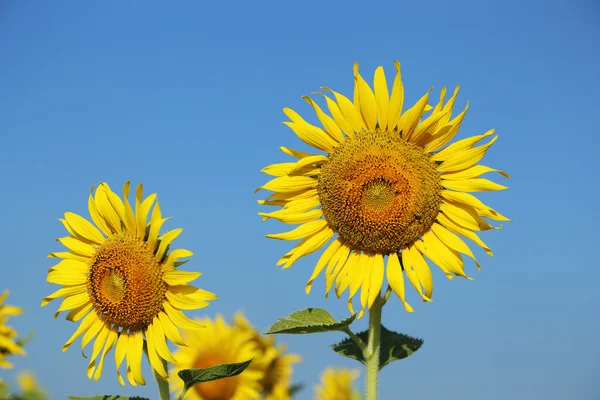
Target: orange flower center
(125, 283)
(379, 192)
(221, 389)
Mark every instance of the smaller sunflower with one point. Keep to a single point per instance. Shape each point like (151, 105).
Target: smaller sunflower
(8, 344)
(337, 384)
(218, 343)
(121, 280)
(277, 365)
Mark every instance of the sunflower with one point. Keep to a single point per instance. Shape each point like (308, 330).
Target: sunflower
(122, 282)
(219, 343)
(385, 184)
(337, 384)
(277, 365)
(8, 345)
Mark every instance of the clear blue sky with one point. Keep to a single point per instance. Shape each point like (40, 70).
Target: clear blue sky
(187, 98)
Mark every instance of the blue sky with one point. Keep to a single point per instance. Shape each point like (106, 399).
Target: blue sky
(187, 98)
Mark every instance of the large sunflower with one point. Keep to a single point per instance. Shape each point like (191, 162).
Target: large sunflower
(337, 384)
(8, 345)
(218, 343)
(123, 283)
(273, 360)
(386, 184)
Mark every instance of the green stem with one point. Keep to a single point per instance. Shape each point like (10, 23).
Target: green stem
(163, 386)
(372, 353)
(356, 339)
(386, 296)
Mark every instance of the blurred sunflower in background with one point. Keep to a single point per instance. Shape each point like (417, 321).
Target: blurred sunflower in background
(121, 280)
(337, 384)
(382, 182)
(9, 345)
(218, 343)
(272, 359)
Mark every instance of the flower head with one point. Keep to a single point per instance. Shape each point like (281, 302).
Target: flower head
(337, 384)
(219, 343)
(272, 360)
(120, 279)
(8, 344)
(381, 183)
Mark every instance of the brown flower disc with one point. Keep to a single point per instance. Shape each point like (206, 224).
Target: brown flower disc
(125, 283)
(379, 192)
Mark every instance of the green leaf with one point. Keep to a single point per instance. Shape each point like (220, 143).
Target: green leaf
(23, 341)
(192, 377)
(394, 346)
(311, 320)
(107, 397)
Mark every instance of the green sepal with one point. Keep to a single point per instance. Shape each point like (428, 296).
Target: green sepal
(310, 320)
(394, 346)
(192, 377)
(295, 388)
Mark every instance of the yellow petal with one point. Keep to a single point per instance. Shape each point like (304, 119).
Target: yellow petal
(472, 172)
(84, 228)
(408, 121)
(396, 100)
(106, 209)
(466, 158)
(134, 353)
(69, 255)
(444, 135)
(294, 153)
(473, 185)
(77, 246)
(445, 258)
(92, 331)
(472, 201)
(323, 261)
(156, 222)
(452, 241)
(294, 218)
(337, 262)
(83, 327)
(165, 241)
(368, 106)
(411, 272)
(308, 161)
(290, 184)
(69, 265)
(304, 230)
(160, 343)
(66, 277)
(179, 319)
(338, 117)
(183, 302)
(312, 244)
(375, 279)
(328, 123)
(96, 217)
(120, 351)
(170, 329)
(422, 270)
(349, 111)
(110, 342)
(395, 279)
(193, 292)
(175, 277)
(464, 216)
(309, 134)
(74, 301)
(142, 213)
(459, 146)
(382, 97)
(129, 217)
(155, 360)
